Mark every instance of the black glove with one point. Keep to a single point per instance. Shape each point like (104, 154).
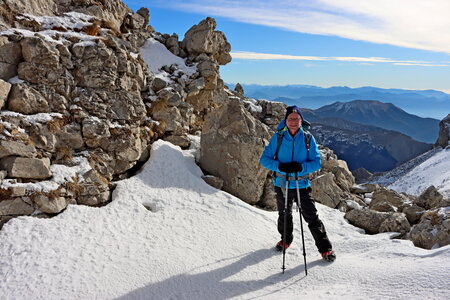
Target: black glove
(291, 167)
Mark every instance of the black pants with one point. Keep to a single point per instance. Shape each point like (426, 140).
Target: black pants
(309, 213)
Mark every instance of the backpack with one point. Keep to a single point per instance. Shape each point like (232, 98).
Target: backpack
(280, 134)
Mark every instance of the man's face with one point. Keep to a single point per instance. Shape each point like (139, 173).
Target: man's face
(293, 122)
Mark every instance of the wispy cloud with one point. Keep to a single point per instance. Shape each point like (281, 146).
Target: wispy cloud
(362, 60)
(418, 24)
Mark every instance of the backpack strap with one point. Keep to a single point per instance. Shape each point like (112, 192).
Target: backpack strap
(280, 136)
(307, 140)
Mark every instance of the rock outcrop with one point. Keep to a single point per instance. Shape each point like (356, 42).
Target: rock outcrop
(231, 145)
(444, 132)
(113, 11)
(203, 38)
(433, 230)
(76, 94)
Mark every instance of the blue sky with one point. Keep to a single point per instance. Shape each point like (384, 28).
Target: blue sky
(383, 43)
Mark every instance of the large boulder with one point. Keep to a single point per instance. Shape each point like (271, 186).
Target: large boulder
(202, 38)
(232, 142)
(367, 219)
(51, 205)
(271, 113)
(342, 175)
(431, 198)
(30, 168)
(388, 200)
(113, 10)
(5, 87)
(94, 190)
(433, 231)
(10, 52)
(325, 190)
(15, 206)
(16, 148)
(413, 213)
(27, 100)
(396, 222)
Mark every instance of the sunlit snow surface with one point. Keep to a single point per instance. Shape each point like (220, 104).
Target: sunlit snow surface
(169, 235)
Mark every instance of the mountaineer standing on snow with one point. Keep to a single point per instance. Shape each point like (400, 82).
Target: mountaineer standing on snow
(293, 151)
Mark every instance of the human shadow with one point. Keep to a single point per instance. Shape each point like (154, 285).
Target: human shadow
(212, 284)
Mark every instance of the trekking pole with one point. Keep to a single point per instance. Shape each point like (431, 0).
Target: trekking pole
(285, 221)
(301, 221)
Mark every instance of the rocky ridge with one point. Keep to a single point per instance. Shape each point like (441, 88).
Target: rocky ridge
(80, 108)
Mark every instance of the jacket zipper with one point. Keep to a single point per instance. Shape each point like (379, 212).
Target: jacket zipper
(293, 147)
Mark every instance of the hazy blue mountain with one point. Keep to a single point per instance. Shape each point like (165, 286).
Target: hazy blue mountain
(364, 146)
(379, 114)
(425, 103)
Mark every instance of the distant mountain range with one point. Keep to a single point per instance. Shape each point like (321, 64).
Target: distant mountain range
(364, 146)
(379, 114)
(424, 103)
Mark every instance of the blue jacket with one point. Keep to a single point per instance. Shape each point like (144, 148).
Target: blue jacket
(292, 149)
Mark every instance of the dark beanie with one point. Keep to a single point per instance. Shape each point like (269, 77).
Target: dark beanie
(292, 109)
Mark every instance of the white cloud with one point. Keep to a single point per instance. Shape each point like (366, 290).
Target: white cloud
(415, 24)
(268, 56)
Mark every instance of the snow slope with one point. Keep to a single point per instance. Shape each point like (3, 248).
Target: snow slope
(168, 235)
(434, 171)
(415, 176)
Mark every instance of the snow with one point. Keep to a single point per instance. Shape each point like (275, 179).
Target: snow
(85, 44)
(156, 56)
(433, 171)
(253, 104)
(70, 20)
(31, 119)
(169, 235)
(15, 80)
(389, 177)
(63, 173)
(40, 186)
(60, 175)
(66, 26)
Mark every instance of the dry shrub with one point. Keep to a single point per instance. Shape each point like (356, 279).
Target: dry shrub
(63, 153)
(115, 131)
(433, 216)
(5, 194)
(158, 105)
(198, 123)
(55, 124)
(74, 187)
(124, 131)
(59, 28)
(15, 131)
(32, 25)
(150, 133)
(113, 30)
(98, 3)
(6, 12)
(93, 29)
(25, 138)
(53, 195)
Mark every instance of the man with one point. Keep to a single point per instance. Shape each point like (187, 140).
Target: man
(293, 158)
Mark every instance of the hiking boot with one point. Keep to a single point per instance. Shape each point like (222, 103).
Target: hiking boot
(280, 244)
(329, 256)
